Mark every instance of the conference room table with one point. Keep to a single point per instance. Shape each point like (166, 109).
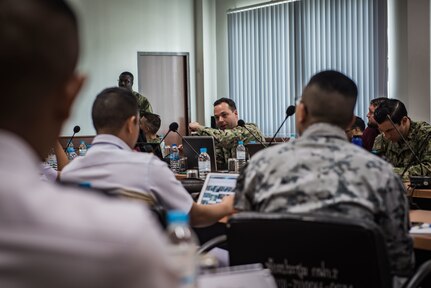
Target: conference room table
(421, 241)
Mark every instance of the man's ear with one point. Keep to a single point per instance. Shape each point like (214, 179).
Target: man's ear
(70, 92)
(131, 124)
(301, 113)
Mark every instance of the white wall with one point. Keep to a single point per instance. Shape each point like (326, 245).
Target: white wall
(113, 32)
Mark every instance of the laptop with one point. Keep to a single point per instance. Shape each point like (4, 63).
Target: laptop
(191, 149)
(216, 186)
(253, 148)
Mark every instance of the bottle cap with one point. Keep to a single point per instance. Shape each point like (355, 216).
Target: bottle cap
(203, 150)
(176, 216)
(174, 145)
(240, 143)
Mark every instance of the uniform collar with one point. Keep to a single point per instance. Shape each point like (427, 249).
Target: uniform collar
(324, 130)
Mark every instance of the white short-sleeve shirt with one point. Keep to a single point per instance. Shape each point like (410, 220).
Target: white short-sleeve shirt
(110, 164)
(57, 236)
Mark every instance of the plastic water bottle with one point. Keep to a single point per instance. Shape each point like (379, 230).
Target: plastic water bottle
(357, 140)
(52, 159)
(240, 155)
(82, 149)
(71, 154)
(204, 163)
(182, 248)
(162, 146)
(175, 159)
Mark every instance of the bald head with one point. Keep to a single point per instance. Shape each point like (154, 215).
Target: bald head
(330, 97)
(38, 55)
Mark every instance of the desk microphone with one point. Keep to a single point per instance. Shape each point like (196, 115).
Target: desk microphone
(241, 123)
(289, 112)
(188, 143)
(385, 114)
(418, 180)
(76, 129)
(172, 127)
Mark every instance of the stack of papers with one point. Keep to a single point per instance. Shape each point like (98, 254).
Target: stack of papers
(421, 228)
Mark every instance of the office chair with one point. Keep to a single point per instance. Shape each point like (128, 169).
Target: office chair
(313, 251)
(158, 211)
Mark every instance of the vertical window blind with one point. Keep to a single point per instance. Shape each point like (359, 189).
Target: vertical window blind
(275, 49)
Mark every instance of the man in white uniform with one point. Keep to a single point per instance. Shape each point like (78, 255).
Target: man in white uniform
(110, 164)
(54, 236)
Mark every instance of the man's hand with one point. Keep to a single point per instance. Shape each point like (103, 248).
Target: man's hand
(228, 202)
(194, 126)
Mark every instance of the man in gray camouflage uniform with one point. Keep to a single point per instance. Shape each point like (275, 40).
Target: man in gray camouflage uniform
(125, 80)
(390, 145)
(229, 133)
(321, 172)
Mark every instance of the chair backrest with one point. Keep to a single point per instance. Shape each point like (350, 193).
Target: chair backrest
(154, 206)
(311, 251)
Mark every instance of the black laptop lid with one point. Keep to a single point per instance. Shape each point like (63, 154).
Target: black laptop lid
(191, 150)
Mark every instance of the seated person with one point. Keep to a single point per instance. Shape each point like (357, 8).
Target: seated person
(392, 147)
(228, 133)
(356, 129)
(371, 132)
(53, 235)
(148, 140)
(111, 164)
(150, 124)
(321, 172)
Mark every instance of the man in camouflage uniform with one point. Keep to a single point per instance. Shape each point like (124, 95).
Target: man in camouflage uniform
(393, 148)
(321, 172)
(125, 80)
(229, 133)
(372, 131)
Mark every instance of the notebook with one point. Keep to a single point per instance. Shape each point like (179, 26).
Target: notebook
(191, 150)
(216, 186)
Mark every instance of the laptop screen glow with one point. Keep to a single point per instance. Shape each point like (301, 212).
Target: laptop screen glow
(216, 186)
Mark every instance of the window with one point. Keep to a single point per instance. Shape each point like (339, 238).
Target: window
(275, 49)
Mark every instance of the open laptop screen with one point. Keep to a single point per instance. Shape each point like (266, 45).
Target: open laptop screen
(191, 150)
(216, 186)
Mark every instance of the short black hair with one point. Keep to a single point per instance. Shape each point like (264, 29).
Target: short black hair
(377, 101)
(359, 123)
(228, 101)
(330, 97)
(152, 121)
(127, 73)
(112, 107)
(39, 41)
(392, 107)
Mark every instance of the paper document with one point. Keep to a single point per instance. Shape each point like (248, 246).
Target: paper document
(421, 228)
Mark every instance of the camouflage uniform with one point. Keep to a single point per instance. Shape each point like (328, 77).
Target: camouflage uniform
(399, 155)
(227, 140)
(155, 140)
(143, 103)
(321, 172)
